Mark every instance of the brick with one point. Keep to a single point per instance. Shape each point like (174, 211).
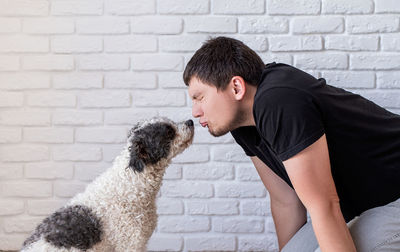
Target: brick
(321, 61)
(183, 115)
(350, 79)
(208, 172)
(127, 116)
(183, 7)
(100, 135)
(48, 170)
(352, 42)
(11, 99)
(51, 99)
(347, 7)
(23, 44)
(186, 189)
(374, 62)
(32, 189)
(44, 207)
(110, 151)
(104, 62)
(89, 171)
(220, 207)
(263, 25)
(255, 208)
(21, 225)
(76, 44)
(103, 25)
(126, 7)
(247, 173)
(159, 98)
(77, 117)
(171, 80)
(238, 7)
(10, 25)
(387, 6)
(287, 7)
(20, 153)
(262, 243)
(308, 25)
(189, 43)
(173, 172)
(183, 224)
(157, 25)
(11, 207)
(194, 153)
(28, 117)
(77, 80)
(229, 153)
(129, 43)
(77, 7)
(295, 43)
(9, 63)
(211, 24)
(240, 190)
(11, 242)
(257, 43)
(371, 24)
(130, 80)
(10, 135)
(48, 135)
(20, 81)
(167, 206)
(104, 99)
(11, 171)
(237, 225)
(390, 42)
(163, 242)
(388, 79)
(24, 8)
(383, 99)
(157, 62)
(76, 153)
(48, 25)
(214, 243)
(51, 62)
(68, 189)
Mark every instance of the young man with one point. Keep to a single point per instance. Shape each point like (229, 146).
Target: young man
(317, 148)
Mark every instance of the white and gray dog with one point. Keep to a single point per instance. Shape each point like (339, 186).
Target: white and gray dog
(117, 211)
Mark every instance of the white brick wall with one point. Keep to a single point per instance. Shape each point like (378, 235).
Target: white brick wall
(76, 75)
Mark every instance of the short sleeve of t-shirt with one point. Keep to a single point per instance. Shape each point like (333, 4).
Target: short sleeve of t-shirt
(246, 137)
(288, 119)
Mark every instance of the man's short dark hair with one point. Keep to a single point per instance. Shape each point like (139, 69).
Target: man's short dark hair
(221, 58)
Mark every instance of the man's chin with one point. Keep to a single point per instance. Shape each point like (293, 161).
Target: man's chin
(217, 133)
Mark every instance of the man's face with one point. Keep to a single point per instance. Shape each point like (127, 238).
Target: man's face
(216, 109)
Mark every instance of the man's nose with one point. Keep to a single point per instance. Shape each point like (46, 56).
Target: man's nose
(196, 111)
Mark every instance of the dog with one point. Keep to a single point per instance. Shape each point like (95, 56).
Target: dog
(117, 211)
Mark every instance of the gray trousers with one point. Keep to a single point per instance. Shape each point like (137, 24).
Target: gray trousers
(377, 229)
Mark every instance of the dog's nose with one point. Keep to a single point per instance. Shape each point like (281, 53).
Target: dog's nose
(189, 123)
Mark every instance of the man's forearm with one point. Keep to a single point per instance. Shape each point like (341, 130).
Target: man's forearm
(285, 229)
(331, 229)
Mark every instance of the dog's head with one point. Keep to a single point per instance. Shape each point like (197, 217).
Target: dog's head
(157, 139)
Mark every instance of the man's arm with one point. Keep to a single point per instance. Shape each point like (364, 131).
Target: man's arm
(285, 205)
(310, 174)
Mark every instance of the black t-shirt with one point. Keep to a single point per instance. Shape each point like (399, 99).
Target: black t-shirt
(292, 110)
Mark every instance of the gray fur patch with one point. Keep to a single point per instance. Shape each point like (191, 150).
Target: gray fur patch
(73, 226)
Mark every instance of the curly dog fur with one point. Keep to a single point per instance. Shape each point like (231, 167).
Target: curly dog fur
(117, 211)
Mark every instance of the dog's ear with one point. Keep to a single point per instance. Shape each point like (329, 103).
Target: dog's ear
(137, 154)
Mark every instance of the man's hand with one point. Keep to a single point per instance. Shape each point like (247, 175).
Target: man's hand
(310, 174)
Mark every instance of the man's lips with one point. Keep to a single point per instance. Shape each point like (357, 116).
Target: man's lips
(203, 124)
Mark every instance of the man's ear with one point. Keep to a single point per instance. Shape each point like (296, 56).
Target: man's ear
(138, 154)
(238, 87)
